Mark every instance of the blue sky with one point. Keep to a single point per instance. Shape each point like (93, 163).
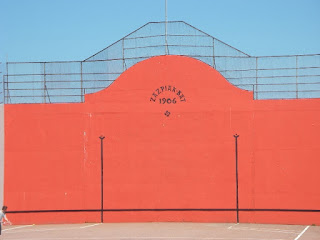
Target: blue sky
(54, 30)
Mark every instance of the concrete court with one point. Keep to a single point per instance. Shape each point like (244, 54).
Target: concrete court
(161, 231)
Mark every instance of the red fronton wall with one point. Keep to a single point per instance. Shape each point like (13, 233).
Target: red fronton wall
(169, 123)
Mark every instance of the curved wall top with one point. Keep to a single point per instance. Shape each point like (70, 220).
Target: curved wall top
(179, 77)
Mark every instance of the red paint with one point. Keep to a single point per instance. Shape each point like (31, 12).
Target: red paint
(151, 161)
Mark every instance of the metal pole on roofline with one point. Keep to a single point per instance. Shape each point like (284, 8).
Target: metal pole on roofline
(166, 27)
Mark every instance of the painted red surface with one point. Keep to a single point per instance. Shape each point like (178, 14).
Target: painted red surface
(153, 161)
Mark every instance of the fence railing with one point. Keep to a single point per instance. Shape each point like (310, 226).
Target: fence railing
(276, 77)
(270, 77)
(1, 84)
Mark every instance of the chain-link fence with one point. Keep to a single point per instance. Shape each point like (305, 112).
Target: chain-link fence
(276, 77)
(1, 84)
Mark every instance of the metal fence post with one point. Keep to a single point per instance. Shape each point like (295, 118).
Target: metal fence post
(166, 28)
(3, 86)
(81, 83)
(213, 59)
(256, 78)
(297, 94)
(123, 62)
(44, 82)
(3, 89)
(7, 70)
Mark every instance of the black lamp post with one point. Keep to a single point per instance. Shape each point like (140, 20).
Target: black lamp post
(101, 138)
(237, 193)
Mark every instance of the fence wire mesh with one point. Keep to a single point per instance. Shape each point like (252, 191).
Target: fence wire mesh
(1, 83)
(270, 77)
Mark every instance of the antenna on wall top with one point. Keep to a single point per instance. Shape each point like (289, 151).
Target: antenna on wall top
(166, 21)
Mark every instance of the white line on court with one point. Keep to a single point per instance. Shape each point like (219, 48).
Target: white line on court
(42, 230)
(45, 230)
(92, 225)
(233, 225)
(17, 227)
(302, 233)
(129, 238)
(265, 230)
(273, 229)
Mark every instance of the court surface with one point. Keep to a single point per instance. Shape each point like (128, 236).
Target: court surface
(161, 231)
